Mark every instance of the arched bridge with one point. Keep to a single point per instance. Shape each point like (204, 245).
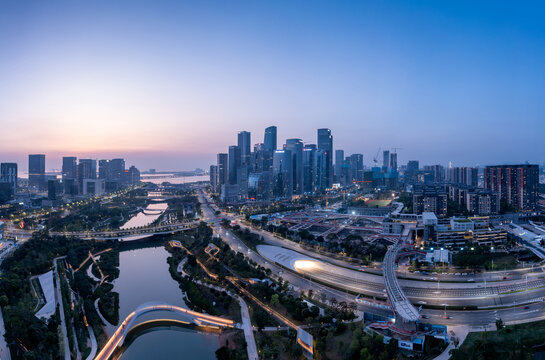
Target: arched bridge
(118, 337)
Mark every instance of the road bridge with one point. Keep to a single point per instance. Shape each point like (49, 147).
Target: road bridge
(118, 337)
(117, 234)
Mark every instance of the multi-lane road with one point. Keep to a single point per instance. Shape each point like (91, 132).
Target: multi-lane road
(504, 299)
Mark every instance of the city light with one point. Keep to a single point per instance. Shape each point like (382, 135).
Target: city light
(305, 265)
(292, 219)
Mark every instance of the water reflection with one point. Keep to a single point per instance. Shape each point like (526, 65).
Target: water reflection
(170, 178)
(144, 276)
(146, 217)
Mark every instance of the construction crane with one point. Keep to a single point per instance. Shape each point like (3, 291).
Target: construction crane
(376, 156)
(395, 149)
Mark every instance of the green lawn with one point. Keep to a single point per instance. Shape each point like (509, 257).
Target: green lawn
(512, 342)
(378, 203)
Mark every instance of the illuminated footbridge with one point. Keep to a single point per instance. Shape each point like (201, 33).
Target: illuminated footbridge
(117, 339)
(406, 314)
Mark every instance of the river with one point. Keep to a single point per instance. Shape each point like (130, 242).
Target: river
(170, 178)
(154, 211)
(144, 276)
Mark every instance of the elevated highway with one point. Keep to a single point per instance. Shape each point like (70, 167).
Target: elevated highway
(118, 337)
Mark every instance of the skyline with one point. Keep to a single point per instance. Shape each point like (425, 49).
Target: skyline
(108, 80)
(368, 161)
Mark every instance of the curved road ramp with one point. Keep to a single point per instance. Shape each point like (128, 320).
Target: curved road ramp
(406, 314)
(117, 339)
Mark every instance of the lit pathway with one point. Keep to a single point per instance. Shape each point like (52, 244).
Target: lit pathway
(248, 331)
(4, 350)
(94, 346)
(460, 332)
(58, 299)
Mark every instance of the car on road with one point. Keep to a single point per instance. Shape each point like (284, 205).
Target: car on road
(423, 316)
(525, 307)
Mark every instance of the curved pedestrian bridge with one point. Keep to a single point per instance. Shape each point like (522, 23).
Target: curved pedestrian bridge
(119, 336)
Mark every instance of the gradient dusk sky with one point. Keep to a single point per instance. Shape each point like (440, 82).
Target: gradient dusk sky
(167, 84)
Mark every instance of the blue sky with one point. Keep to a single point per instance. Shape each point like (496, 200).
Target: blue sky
(168, 84)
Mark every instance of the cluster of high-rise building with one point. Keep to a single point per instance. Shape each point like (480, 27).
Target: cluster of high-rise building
(269, 172)
(514, 186)
(79, 177)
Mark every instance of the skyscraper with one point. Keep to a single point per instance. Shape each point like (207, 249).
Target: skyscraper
(463, 176)
(325, 144)
(223, 166)
(295, 146)
(321, 166)
(8, 174)
(244, 144)
(282, 174)
(270, 139)
(436, 174)
(132, 176)
(262, 159)
(234, 163)
(386, 160)
(36, 171)
(103, 169)
(116, 169)
(69, 168)
(516, 184)
(309, 168)
(87, 170)
(411, 174)
(70, 175)
(393, 161)
(356, 167)
(214, 177)
(339, 162)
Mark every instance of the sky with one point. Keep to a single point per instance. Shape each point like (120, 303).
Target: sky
(168, 84)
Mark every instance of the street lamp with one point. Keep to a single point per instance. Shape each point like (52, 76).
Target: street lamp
(445, 314)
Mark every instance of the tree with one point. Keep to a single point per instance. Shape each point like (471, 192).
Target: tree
(499, 324)
(261, 318)
(275, 300)
(456, 341)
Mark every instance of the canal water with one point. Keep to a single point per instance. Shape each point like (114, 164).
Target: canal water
(152, 213)
(161, 178)
(144, 277)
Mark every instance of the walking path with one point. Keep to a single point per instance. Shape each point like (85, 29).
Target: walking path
(58, 300)
(94, 346)
(246, 325)
(248, 331)
(4, 350)
(100, 314)
(460, 332)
